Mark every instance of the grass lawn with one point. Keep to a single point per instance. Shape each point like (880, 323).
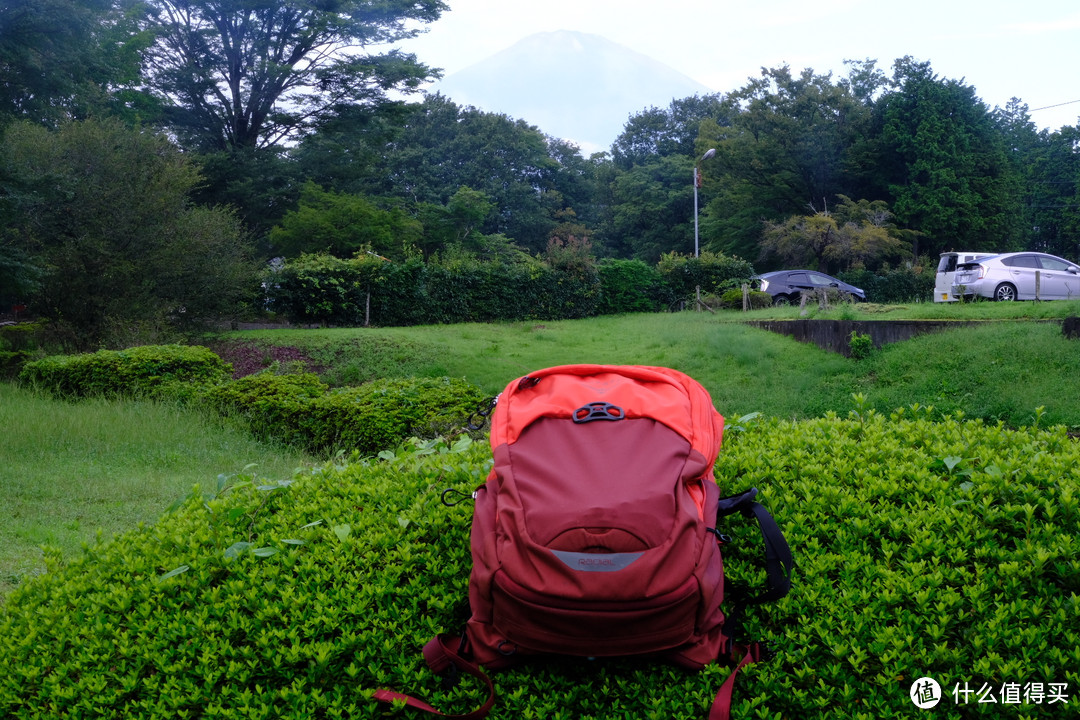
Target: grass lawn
(1001, 371)
(68, 470)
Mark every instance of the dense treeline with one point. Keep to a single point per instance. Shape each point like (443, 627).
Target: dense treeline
(156, 154)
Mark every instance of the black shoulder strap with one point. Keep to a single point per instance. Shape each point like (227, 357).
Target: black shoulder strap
(778, 560)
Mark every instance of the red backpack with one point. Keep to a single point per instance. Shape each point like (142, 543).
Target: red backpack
(595, 534)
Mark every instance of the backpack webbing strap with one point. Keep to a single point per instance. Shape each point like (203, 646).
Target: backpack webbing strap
(441, 657)
(778, 560)
(721, 707)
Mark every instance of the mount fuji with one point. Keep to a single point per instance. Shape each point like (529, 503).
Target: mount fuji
(575, 86)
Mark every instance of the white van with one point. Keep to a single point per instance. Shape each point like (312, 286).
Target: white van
(946, 269)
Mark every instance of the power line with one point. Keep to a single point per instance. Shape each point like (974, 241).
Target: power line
(1070, 102)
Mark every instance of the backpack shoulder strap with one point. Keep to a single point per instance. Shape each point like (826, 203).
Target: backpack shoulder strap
(442, 657)
(778, 567)
(778, 559)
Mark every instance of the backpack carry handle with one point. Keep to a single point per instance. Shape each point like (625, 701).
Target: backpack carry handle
(598, 411)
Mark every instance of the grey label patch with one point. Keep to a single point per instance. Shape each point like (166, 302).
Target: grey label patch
(597, 562)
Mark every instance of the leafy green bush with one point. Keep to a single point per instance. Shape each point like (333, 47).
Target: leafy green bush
(860, 345)
(274, 406)
(712, 272)
(896, 285)
(300, 409)
(733, 299)
(324, 289)
(631, 286)
(943, 549)
(144, 371)
(383, 413)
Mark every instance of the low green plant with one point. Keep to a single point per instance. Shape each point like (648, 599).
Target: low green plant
(733, 299)
(301, 410)
(381, 414)
(860, 345)
(298, 599)
(273, 406)
(144, 371)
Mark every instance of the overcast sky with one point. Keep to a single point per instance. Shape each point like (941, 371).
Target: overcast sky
(1028, 49)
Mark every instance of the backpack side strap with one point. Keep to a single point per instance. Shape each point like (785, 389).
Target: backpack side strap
(443, 657)
(721, 707)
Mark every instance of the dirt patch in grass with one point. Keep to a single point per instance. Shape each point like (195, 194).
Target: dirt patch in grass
(248, 357)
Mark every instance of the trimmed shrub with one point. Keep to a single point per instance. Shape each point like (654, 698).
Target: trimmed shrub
(732, 299)
(897, 285)
(300, 409)
(324, 289)
(383, 413)
(631, 286)
(944, 549)
(145, 371)
(712, 272)
(274, 406)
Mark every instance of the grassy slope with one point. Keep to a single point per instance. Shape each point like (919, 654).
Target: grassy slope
(70, 469)
(999, 372)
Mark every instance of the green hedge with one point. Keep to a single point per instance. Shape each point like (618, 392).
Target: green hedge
(298, 409)
(733, 299)
(712, 272)
(899, 285)
(948, 549)
(632, 286)
(301, 410)
(145, 371)
(326, 289)
(274, 407)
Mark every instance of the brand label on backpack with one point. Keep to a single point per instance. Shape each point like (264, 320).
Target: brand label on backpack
(597, 562)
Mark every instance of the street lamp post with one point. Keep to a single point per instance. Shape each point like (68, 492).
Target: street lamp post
(697, 183)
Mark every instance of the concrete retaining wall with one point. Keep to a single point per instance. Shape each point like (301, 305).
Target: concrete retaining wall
(835, 335)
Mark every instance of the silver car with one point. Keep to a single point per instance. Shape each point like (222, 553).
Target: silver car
(1018, 276)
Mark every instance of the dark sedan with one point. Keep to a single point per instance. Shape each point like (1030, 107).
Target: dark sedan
(786, 285)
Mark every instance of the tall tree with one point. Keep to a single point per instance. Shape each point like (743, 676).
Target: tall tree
(787, 151)
(658, 132)
(343, 225)
(946, 164)
(250, 73)
(105, 210)
(1048, 165)
(653, 209)
(440, 148)
(65, 58)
